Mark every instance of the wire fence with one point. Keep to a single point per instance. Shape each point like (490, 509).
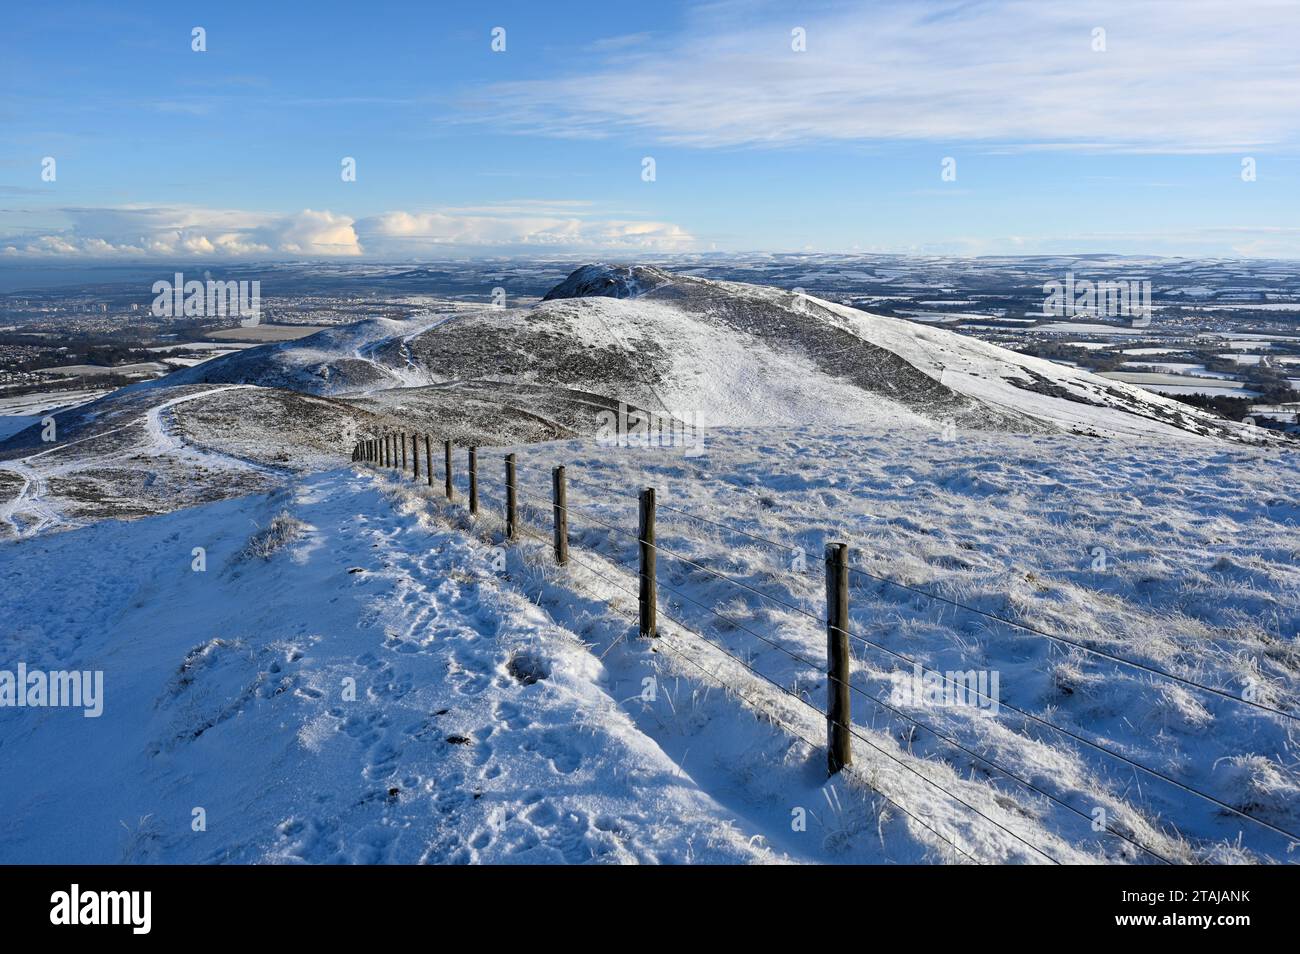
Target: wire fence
(388, 451)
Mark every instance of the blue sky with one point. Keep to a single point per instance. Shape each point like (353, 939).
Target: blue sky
(1064, 139)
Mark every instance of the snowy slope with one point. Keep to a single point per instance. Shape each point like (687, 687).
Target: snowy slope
(706, 353)
(501, 711)
(224, 687)
(1068, 398)
(718, 353)
(481, 729)
(224, 692)
(944, 376)
(1170, 557)
(150, 450)
(334, 361)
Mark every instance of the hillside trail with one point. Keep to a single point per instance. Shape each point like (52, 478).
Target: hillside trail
(30, 512)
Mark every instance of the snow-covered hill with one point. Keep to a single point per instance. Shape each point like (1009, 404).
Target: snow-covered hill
(700, 352)
(719, 354)
(504, 711)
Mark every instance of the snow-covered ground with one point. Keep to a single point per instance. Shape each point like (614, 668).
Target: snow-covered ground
(717, 354)
(702, 352)
(126, 459)
(504, 710)
(360, 673)
(1180, 561)
(20, 411)
(481, 730)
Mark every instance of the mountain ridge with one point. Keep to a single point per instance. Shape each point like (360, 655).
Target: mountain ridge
(701, 352)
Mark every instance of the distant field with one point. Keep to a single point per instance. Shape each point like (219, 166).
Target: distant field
(1180, 383)
(1079, 327)
(1174, 389)
(1176, 367)
(266, 333)
(95, 370)
(202, 346)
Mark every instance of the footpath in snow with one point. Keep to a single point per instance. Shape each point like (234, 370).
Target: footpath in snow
(377, 681)
(480, 730)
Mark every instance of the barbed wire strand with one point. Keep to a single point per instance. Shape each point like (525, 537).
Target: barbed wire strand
(548, 503)
(947, 739)
(1121, 660)
(851, 769)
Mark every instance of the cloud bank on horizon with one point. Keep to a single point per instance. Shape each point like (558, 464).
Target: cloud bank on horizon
(1109, 125)
(145, 233)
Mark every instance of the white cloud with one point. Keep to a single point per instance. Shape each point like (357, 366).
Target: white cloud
(514, 225)
(142, 232)
(181, 232)
(316, 233)
(1203, 76)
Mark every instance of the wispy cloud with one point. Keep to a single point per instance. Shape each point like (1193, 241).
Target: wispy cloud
(1177, 77)
(623, 41)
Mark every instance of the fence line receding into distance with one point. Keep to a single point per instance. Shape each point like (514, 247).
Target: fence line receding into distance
(840, 731)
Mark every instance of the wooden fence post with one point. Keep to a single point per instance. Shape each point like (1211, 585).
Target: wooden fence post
(512, 500)
(838, 745)
(428, 459)
(646, 539)
(415, 456)
(403, 451)
(446, 466)
(560, 499)
(473, 481)
(383, 459)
